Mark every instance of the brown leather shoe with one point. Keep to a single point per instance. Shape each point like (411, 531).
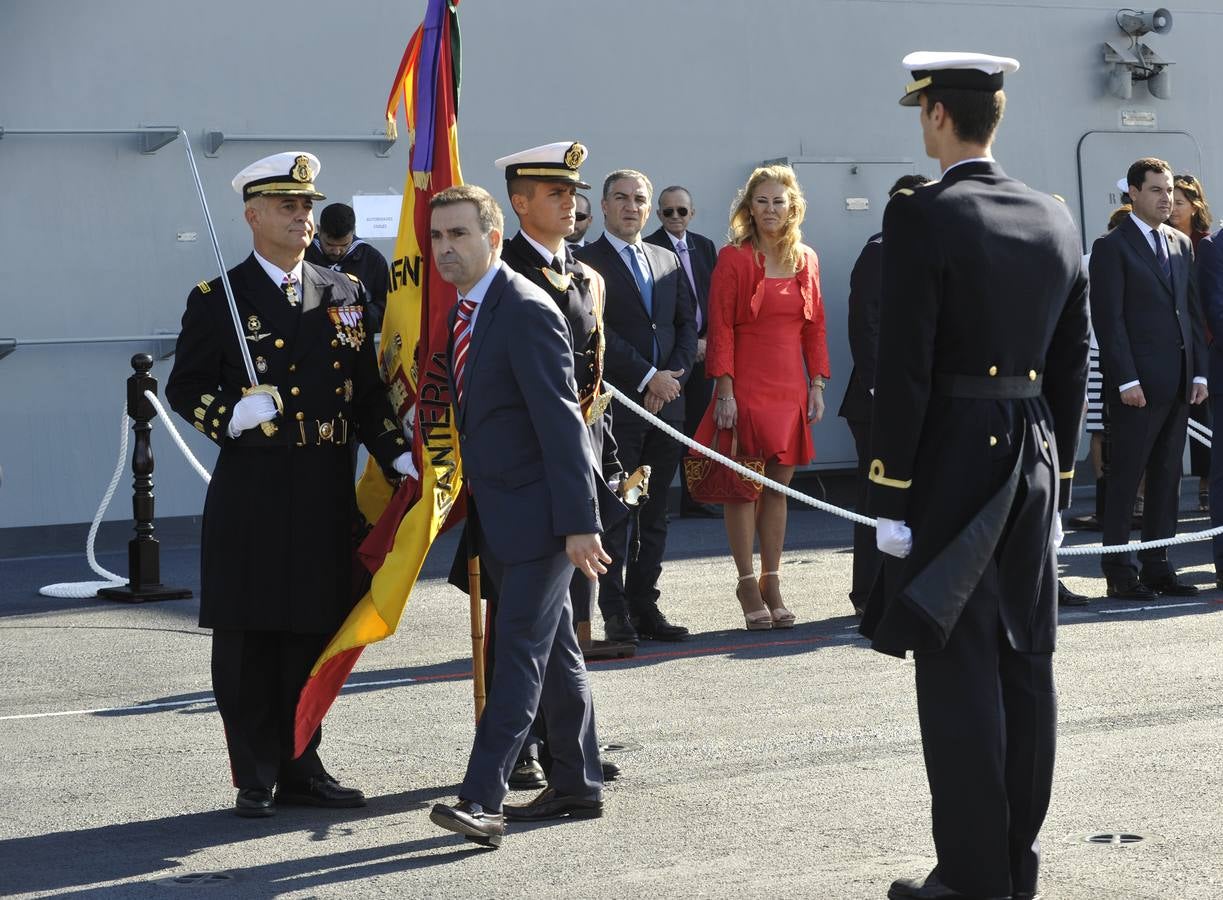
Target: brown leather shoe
(551, 804)
(472, 821)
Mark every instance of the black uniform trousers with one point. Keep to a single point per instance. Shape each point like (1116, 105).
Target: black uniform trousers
(988, 716)
(867, 558)
(697, 392)
(539, 667)
(1149, 440)
(256, 678)
(631, 587)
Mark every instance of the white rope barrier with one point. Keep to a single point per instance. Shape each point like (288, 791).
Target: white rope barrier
(1085, 550)
(80, 590)
(178, 438)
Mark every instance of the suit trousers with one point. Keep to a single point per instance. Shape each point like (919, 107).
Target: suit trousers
(631, 587)
(1147, 440)
(988, 716)
(539, 667)
(867, 558)
(697, 392)
(256, 678)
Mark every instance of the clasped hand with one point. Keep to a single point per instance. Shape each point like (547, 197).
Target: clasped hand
(893, 538)
(663, 387)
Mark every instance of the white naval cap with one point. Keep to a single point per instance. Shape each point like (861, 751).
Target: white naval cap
(1123, 184)
(559, 161)
(954, 69)
(289, 174)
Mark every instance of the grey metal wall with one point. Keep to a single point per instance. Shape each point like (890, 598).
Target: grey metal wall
(694, 92)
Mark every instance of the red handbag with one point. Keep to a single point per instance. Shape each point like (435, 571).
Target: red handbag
(711, 482)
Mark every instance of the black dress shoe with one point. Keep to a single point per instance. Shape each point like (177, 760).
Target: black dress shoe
(1130, 590)
(472, 821)
(1172, 586)
(653, 626)
(620, 630)
(551, 804)
(255, 803)
(611, 771)
(319, 790)
(928, 888)
(1067, 597)
(701, 511)
(528, 775)
(1085, 523)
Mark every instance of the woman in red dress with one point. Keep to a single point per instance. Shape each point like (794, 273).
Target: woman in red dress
(768, 351)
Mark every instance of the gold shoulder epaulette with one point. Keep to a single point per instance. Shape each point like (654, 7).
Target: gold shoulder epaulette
(1058, 197)
(905, 191)
(203, 286)
(353, 277)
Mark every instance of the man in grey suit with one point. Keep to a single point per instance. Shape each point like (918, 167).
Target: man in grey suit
(651, 343)
(532, 512)
(1148, 320)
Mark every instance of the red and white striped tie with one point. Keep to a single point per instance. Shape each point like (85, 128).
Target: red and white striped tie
(462, 340)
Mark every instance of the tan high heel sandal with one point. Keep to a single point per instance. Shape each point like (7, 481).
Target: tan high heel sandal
(756, 616)
(782, 617)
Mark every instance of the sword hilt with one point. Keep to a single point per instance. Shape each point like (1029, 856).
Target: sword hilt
(268, 428)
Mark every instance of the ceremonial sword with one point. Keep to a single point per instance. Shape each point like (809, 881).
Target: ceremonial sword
(269, 428)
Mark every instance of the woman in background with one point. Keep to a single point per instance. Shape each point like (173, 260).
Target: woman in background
(1191, 216)
(768, 351)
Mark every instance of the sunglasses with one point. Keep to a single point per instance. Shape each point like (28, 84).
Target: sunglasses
(581, 217)
(1188, 178)
(670, 211)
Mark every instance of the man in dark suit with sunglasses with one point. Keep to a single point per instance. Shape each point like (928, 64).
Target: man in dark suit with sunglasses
(697, 255)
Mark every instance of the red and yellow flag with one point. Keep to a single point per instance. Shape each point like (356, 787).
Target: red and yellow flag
(413, 364)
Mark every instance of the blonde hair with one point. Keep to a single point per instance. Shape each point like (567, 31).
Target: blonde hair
(743, 228)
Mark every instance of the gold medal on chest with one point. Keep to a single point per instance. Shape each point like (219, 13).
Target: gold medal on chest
(253, 323)
(556, 279)
(261, 365)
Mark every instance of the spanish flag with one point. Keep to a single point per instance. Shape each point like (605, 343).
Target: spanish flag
(413, 364)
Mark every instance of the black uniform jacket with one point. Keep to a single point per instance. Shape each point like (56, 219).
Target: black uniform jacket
(979, 392)
(632, 330)
(1142, 318)
(584, 316)
(280, 512)
(864, 286)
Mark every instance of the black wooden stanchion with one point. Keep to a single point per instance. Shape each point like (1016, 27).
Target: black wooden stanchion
(143, 551)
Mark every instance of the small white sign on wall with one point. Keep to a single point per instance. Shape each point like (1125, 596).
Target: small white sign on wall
(377, 215)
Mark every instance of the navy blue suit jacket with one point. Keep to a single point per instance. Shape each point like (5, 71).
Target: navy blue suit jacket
(526, 451)
(1210, 290)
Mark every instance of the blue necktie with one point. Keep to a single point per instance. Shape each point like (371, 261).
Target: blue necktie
(643, 283)
(1161, 255)
(647, 294)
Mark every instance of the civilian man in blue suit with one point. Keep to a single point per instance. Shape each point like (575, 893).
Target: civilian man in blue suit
(533, 514)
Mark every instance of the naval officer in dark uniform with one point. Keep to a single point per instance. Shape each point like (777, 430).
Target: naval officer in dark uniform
(279, 519)
(979, 390)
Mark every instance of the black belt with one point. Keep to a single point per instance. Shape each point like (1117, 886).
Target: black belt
(312, 432)
(988, 387)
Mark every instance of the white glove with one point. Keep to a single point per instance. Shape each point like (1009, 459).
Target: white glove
(251, 410)
(404, 466)
(893, 538)
(1058, 534)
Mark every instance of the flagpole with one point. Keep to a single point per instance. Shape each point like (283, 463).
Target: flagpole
(477, 635)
